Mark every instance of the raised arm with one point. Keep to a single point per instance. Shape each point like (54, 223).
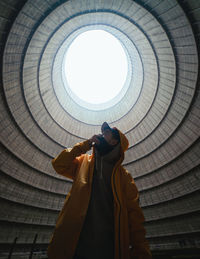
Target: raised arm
(66, 163)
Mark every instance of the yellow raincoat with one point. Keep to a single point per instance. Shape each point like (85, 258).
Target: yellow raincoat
(130, 242)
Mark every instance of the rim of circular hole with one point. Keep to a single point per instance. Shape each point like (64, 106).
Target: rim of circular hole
(118, 96)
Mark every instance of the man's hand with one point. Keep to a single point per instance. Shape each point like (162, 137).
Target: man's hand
(94, 139)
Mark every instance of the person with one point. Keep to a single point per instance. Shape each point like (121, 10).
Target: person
(101, 216)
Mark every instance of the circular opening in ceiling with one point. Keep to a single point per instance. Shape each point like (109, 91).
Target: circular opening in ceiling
(96, 66)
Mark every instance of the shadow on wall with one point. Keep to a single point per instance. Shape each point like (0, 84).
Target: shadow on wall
(23, 251)
(38, 251)
(185, 253)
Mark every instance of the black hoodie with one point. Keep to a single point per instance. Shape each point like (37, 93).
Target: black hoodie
(97, 235)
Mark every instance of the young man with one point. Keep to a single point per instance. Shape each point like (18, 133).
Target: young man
(101, 217)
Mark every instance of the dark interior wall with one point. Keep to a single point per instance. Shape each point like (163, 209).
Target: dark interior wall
(31, 199)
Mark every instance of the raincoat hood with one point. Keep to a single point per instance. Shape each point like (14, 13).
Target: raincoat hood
(123, 140)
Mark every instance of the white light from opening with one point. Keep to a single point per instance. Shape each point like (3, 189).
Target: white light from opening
(96, 66)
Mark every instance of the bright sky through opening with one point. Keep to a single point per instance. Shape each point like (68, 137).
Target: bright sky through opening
(96, 66)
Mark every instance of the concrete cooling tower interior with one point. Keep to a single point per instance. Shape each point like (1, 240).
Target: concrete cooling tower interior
(158, 109)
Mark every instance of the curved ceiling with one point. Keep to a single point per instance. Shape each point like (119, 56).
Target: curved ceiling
(158, 110)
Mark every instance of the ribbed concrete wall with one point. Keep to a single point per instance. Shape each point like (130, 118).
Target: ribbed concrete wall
(38, 118)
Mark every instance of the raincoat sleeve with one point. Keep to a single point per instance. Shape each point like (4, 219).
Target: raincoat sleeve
(67, 162)
(139, 245)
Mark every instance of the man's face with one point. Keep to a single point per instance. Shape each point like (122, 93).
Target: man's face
(107, 134)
